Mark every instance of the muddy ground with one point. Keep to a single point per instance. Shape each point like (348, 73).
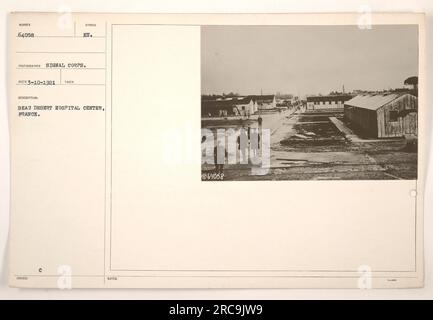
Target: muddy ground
(308, 146)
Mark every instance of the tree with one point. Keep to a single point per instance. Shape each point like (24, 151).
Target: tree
(411, 81)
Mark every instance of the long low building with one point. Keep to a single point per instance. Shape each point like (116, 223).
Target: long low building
(383, 115)
(237, 106)
(327, 102)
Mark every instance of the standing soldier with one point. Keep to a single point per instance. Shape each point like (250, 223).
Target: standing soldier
(254, 142)
(220, 154)
(243, 146)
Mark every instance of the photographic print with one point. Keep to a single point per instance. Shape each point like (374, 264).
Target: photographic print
(309, 102)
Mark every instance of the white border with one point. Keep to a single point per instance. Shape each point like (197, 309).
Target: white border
(211, 7)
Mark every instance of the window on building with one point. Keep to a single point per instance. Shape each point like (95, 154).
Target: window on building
(393, 115)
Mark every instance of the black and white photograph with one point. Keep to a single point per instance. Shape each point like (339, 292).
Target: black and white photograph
(334, 102)
(228, 154)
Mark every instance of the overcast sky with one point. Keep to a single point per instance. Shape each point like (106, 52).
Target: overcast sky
(306, 59)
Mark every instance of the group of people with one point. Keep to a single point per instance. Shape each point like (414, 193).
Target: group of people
(248, 144)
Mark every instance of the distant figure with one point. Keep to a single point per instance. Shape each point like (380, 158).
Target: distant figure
(243, 146)
(203, 147)
(220, 154)
(254, 142)
(260, 120)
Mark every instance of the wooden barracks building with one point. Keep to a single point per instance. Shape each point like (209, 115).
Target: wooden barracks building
(383, 115)
(327, 102)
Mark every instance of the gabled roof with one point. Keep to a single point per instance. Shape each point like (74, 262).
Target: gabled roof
(372, 101)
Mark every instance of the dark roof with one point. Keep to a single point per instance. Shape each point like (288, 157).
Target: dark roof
(262, 98)
(243, 100)
(337, 97)
(233, 101)
(218, 103)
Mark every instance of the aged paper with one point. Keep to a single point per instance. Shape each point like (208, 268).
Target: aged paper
(217, 150)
